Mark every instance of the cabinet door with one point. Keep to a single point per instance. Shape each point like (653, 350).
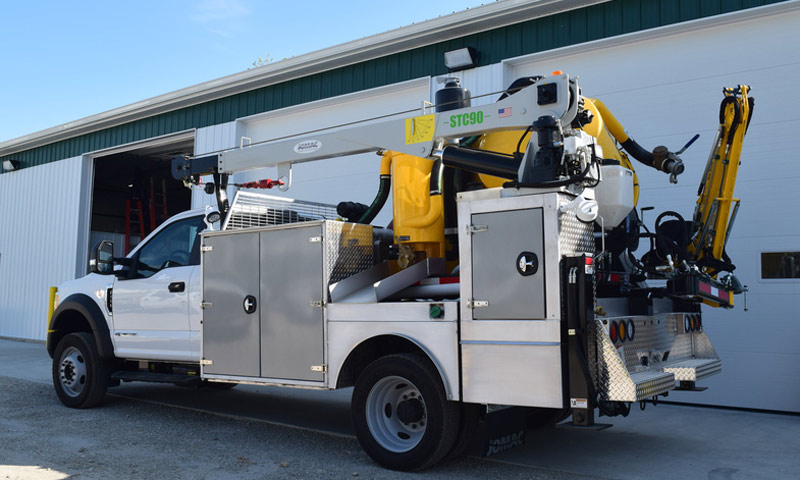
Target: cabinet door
(291, 282)
(231, 323)
(496, 255)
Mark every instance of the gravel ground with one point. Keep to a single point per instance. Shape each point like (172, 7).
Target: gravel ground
(124, 438)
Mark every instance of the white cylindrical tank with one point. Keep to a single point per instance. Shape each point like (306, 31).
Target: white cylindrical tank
(614, 195)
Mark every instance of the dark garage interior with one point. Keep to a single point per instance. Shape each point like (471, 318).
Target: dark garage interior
(134, 192)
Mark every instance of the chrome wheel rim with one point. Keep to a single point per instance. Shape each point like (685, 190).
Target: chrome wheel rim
(396, 414)
(72, 371)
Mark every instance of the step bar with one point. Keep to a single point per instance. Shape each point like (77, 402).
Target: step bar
(174, 378)
(693, 369)
(615, 382)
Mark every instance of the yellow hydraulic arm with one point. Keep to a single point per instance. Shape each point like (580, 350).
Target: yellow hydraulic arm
(716, 208)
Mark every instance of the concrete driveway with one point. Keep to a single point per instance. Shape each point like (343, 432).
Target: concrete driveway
(664, 442)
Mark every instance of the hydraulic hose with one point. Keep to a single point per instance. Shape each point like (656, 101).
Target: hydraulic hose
(479, 161)
(384, 186)
(221, 181)
(618, 132)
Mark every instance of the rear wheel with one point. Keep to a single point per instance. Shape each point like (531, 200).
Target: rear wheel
(469, 418)
(401, 414)
(79, 374)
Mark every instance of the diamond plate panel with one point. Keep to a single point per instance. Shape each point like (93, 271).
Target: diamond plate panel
(702, 346)
(574, 236)
(694, 369)
(653, 339)
(682, 348)
(348, 249)
(651, 383)
(616, 383)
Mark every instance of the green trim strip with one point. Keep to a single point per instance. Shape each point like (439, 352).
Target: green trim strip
(581, 25)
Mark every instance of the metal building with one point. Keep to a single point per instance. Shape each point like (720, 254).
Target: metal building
(659, 64)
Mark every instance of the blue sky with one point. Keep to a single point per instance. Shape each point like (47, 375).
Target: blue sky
(61, 61)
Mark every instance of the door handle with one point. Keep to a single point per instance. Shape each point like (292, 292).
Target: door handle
(177, 287)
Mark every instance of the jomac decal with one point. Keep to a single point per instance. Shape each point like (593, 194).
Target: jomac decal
(307, 146)
(497, 445)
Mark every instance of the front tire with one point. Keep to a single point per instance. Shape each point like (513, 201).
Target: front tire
(79, 374)
(401, 414)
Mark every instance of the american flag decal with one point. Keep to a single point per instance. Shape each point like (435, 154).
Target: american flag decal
(504, 112)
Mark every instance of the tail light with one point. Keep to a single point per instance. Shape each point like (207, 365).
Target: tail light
(631, 329)
(612, 331)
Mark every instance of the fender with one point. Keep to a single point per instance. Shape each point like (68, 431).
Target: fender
(452, 393)
(86, 307)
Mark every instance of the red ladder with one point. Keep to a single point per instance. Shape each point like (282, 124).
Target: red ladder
(163, 206)
(129, 221)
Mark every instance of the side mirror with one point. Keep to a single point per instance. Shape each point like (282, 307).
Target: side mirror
(213, 217)
(103, 260)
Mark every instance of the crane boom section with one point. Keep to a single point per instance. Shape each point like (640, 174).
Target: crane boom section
(419, 135)
(716, 207)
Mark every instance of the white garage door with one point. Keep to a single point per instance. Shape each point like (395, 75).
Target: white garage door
(665, 88)
(42, 240)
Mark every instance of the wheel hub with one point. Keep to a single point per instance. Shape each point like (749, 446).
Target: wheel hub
(396, 414)
(410, 411)
(72, 371)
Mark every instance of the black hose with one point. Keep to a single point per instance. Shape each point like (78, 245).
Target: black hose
(638, 152)
(518, 85)
(480, 161)
(752, 103)
(550, 184)
(737, 116)
(221, 180)
(380, 200)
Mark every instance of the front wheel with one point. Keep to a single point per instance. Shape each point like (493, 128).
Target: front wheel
(79, 374)
(401, 414)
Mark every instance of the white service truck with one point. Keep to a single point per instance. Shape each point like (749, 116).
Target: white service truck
(509, 276)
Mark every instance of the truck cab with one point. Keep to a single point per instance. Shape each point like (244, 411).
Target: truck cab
(150, 303)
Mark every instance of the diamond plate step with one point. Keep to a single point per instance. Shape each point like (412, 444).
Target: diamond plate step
(650, 383)
(693, 369)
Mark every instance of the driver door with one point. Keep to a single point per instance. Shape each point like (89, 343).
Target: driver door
(151, 306)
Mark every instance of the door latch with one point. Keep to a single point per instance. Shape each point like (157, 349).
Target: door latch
(472, 229)
(478, 304)
(527, 263)
(249, 304)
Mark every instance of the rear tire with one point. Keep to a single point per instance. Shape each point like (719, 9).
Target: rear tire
(401, 414)
(80, 376)
(469, 417)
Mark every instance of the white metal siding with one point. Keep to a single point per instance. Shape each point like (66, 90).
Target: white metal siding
(666, 89)
(38, 241)
(482, 83)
